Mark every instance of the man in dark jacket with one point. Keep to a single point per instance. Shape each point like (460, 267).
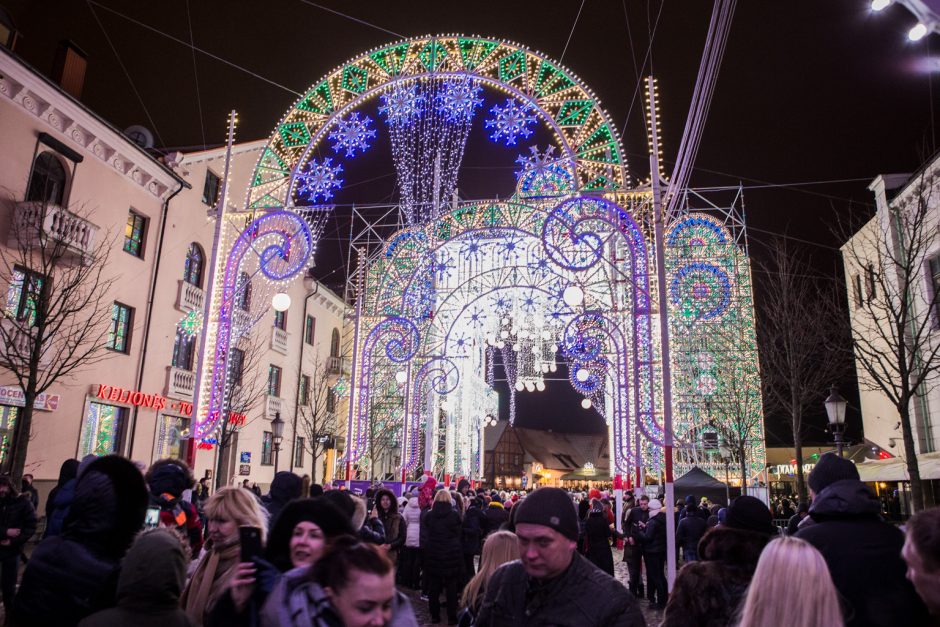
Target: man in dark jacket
(793, 525)
(60, 498)
(653, 538)
(634, 538)
(863, 552)
(17, 525)
(552, 584)
(496, 514)
(285, 487)
(689, 531)
(474, 523)
(167, 479)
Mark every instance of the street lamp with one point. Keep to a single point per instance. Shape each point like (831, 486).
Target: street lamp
(835, 410)
(277, 427)
(725, 453)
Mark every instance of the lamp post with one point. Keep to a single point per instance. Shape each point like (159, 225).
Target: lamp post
(835, 410)
(312, 287)
(277, 427)
(725, 453)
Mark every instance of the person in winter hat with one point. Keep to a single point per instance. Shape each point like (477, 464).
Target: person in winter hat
(60, 498)
(707, 593)
(552, 584)
(167, 479)
(496, 514)
(148, 589)
(426, 493)
(17, 525)
(75, 574)
(409, 567)
(285, 487)
(653, 537)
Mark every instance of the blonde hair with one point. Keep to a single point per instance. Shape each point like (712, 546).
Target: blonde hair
(239, 505)
(442, 496)
(791, 586)
(500, 547)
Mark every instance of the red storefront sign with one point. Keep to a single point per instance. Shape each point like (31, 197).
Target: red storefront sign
(130, 397)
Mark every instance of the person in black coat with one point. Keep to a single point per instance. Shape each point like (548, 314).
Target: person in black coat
(474, 523)
(73, 575)
(17, 525)
(634, 539)
(496, 515)
(654, 554)
(285, 487)
(863, 552)
(60, 498)
(443, 552)
(793, 525)
(597, 535)
(689, 531)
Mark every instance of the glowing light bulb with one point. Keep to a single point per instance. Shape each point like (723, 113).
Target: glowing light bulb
(878, 5)
(573, 296)
(917, 33)
(586, 403)
(516, 347)
(504, 334)
(540, 386)
(546, 335)
(529, 386)
(553, 367)
(519, 386)
(554, 348)
(401, 376)
(280, 302)
(582, 375)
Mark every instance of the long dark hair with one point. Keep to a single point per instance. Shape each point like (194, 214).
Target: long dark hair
(345, 554)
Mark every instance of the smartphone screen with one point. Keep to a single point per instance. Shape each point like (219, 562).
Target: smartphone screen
(152, 518)
(250, 538)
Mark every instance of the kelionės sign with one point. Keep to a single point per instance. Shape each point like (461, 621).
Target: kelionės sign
(117, 394)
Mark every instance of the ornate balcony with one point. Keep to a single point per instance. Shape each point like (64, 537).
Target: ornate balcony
(35, 223)
(180, 383)
(279, 340)
(273, 405)
(20, 343)
(337, 365)
(189, 297)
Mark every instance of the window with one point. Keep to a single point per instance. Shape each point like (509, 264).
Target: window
(243, 292)
(170, 442)
(334, 343)
(935, 287)
(236, 365)
(184, 348)
(299, 453)
(303, 394)
(309, 327)
(857, 290)
(24, 294)
(872, 282)
(280, 320)
(119, 336)
(210, 189)
(274, 380)
(331, 401)
(47, 181)
(102, 430)
(8, 416)
(192, 269)
(134, 234)
(267, 448)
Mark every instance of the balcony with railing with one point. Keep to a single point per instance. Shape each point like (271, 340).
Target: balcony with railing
(189, 297)
(180, 383)
(41, 224)
(20, 343)
(273, 405)
(279, 338)
(337, 365)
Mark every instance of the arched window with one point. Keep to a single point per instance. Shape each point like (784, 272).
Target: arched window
(243, 292)
(47, 182)
(184, 348)
(334, 343)
(192, 270)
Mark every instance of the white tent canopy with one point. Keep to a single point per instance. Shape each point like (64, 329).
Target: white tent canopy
(895, 469)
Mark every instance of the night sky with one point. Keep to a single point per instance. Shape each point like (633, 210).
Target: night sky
(814, 99)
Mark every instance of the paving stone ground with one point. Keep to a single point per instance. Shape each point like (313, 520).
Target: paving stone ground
(653, 617)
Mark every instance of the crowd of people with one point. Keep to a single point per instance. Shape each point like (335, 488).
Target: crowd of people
(129, 546)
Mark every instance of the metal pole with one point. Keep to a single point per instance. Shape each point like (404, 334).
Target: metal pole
(664, 335)
(838, 434)
(727, 485)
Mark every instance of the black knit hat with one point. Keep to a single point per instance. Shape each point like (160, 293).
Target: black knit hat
(331, 520)
(829, 469)
(750, 514)
(549, 507)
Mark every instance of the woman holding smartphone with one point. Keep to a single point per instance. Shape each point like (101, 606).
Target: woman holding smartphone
(227, 510)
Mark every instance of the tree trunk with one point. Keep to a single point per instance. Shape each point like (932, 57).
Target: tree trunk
(313, 458)
(20, 443)
(743, 458)
(797, 421)
(910, 458)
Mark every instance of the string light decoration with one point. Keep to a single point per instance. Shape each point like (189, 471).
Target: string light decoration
(510, 122)
(543, 174)
(318, 180)
(352, 133)
(191, 323)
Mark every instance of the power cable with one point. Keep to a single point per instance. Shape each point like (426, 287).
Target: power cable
(571, 33)
(646, 58)
(354, 19)
(202, 124)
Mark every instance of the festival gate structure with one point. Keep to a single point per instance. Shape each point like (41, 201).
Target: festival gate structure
(558, 273)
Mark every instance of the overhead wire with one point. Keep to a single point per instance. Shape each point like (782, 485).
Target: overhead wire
(354, 19)
(571, 32)
(202, 124)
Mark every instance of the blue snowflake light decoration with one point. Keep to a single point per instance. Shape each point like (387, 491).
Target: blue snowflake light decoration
(459, 98)
(402, 105)
(319, 178)
(352, 133)
(510, 121)
(543, 173)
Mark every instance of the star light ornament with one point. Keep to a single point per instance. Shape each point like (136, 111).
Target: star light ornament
(352, 133)
(543, 172)
(510, 121)
(459, 98)
(319, 179)
(402, 105)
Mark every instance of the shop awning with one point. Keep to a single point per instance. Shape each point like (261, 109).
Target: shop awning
(895, 469)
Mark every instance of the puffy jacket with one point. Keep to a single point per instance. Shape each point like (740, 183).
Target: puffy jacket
(412, 516)
(654, 535)
(582, 596)
(474, 524)
(864, 557)
(440, 539)
(57, 508)
(16, 512)
(690, 530)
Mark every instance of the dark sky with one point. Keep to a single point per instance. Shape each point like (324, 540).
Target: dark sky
(808, 90)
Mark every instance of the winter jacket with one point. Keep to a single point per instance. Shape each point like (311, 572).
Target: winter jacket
(707, 592)
(597, 536)
(394, 524)
(689, 531)
(16, 512)
(582, 596)
(297, 601)
(654, 535)
(74, 575)
(412, 516)
(149, 587)
(57, 508)
(440, 539)
(167, 479)
(285, 487)
(631, 527)
(496, 517)
(864, 557)
(473, 526)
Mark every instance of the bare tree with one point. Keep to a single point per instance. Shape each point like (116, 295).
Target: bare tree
(384, 429)
(802, 339)
(895, 311)
(317, 413)
(58, 314)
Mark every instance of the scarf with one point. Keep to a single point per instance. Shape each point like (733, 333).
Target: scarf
(209, 579)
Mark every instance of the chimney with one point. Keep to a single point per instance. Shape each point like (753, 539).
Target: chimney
(69, 68)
